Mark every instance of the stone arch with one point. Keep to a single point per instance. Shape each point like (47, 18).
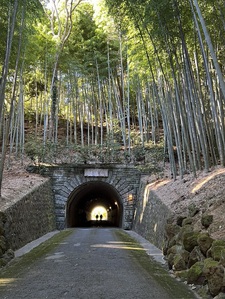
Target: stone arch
(88, 195)
(71, 183)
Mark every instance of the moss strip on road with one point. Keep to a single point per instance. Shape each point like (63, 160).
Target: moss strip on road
(19, 265)
(154, 269)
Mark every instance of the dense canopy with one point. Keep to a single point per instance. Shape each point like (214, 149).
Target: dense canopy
(126, 75)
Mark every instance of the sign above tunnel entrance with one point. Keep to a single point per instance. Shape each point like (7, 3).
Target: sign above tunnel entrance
(96, 172)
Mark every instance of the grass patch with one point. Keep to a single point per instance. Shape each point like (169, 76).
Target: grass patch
(20, 264)
(174, 288)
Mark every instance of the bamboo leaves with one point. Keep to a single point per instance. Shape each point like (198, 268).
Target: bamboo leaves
(148, 70)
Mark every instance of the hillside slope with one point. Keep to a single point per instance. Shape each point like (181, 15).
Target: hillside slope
(197, 196)
(187, 196)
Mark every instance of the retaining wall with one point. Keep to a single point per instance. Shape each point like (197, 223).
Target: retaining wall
(151, 215)
(30, 217)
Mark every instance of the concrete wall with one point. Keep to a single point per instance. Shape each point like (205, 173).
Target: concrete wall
(150, 216)
(30, 217)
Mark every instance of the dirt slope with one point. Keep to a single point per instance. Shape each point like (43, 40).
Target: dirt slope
(202, 195)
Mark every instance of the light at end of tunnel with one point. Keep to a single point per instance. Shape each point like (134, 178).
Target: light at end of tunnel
(99, 213)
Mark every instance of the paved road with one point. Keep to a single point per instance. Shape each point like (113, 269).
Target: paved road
(94, 263)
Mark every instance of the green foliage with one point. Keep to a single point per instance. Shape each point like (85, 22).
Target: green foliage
(145, 158)
(33, 11)
(88, 45)
(127, 75)
(149, 158)
(139, 153)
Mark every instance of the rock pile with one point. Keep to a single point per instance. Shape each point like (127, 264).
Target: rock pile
(195, 257)
(6, 254)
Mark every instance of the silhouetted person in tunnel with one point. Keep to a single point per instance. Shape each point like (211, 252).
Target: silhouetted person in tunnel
(96, 220)
(100, 217)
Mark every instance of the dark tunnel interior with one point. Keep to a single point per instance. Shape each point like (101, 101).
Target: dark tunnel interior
(94, 204)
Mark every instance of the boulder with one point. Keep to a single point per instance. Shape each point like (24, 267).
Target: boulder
(171, 230)
(215, 279)
(175, 249)
(171, 253)
(216, 249)
(183, 230)
(195, 274)
(204, 242)
(214, 273)
(177, 258)
(195, 256)
(172, 242)
(168, 244)
(190, 240)
(206, 220)
(217, 253)
(179, 263)
(209, 265)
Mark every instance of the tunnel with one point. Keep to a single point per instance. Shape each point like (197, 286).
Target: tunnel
(94, 204)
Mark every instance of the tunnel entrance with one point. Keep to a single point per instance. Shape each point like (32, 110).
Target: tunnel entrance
(94, 204)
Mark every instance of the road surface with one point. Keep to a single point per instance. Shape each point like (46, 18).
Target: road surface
(95, 263)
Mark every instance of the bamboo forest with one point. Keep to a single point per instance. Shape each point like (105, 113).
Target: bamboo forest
(84, 81)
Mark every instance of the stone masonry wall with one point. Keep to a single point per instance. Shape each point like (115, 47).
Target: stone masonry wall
(30, 217)
(151, 216)
(66, 178)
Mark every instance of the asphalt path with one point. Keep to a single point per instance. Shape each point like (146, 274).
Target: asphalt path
(95, 263)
